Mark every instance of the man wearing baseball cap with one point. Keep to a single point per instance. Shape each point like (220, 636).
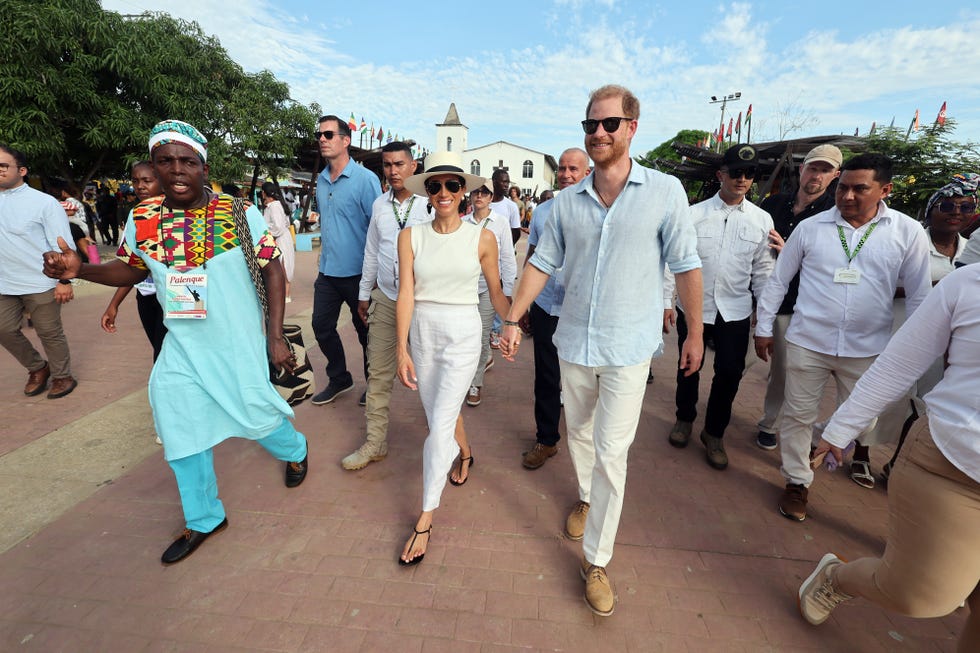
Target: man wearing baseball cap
(818, 172)
(733, 243)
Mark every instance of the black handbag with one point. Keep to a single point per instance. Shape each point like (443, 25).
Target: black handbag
(298, 385)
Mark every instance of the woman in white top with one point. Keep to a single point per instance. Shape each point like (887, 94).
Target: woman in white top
(275, 217)
(931, 561)
(439, 269)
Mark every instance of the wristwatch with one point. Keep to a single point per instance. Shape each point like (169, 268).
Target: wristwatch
(64, 282)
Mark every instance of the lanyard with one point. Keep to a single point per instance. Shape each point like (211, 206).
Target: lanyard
(402, 219)
(843, 241)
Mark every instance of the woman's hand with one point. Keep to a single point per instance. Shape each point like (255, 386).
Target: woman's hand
(406, 370)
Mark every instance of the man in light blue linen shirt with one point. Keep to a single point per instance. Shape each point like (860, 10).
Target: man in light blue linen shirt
(345, 193)
(612, 232)
(30, 224)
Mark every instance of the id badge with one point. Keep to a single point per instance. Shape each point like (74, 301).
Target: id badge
(847, 275)
(187, 296)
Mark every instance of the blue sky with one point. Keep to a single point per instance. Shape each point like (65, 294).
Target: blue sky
(522, 71)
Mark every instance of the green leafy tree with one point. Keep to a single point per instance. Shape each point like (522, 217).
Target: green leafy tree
(82, 87)
(665, 149)
(924, 162)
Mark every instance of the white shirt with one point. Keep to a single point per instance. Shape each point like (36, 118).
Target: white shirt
(971, 253)
(939, 263)
(840, 319)
(949, 319)
(508, 208)
(736, 261)
(381, 247)
(506, 261)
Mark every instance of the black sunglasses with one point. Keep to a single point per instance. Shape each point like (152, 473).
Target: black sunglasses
(748, 173)
(481, 191)
(433, 187)
(590, 125)
(329, 134)
(947, 206)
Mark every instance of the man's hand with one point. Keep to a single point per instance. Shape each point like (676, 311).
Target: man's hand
(692, 352)
(63, 293)
(280, 355)
(64, 264)
(776, 241)
(823, 448)
(670, 319)
(362, 310)
(763, 347)
(510, 340)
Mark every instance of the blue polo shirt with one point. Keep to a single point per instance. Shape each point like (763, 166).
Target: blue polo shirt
(345, 213)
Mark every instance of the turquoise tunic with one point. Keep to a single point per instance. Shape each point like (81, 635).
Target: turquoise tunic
(211, 381)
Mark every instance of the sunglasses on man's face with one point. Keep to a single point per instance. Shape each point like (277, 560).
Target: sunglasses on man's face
(433, 187)
(748, 173)
(952, 207)
(329, 134)
(590, 125)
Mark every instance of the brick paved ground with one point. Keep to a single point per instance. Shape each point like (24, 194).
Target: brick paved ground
(703, 561)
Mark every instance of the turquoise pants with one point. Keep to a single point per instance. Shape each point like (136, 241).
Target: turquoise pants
(198, 485)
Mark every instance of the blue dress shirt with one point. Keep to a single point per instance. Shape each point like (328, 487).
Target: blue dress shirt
(614, 259)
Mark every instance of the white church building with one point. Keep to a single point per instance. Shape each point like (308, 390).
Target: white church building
(532, 171)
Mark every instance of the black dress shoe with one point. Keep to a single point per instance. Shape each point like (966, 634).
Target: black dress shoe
(187, 543)
(296, 472)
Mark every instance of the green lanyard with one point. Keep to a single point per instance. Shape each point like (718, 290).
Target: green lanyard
(843, 241)
(401, 219)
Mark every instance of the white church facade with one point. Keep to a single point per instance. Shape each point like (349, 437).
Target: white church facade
(532, 171)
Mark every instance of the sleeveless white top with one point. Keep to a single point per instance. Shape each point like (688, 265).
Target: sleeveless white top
(447, 266)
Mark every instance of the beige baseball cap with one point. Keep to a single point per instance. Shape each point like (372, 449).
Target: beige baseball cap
(828, 153)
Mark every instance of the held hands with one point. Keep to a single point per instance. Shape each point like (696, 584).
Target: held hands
(64, 264)
(406, 370)
(280, 355)
(763, 347)
(510, 340)
(63, 293)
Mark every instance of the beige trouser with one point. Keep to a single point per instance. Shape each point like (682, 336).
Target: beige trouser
(46, 318)
(773, 404)
(931, 561)
(382, 361)
(807, 373)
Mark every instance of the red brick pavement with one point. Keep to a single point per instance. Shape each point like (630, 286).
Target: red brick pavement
(703, 561)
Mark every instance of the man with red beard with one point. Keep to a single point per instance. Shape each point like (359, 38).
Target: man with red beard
(612, 233)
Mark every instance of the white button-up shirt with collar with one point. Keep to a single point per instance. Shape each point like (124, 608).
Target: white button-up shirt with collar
(381, 247)
(841, 319)
(506, 260)
(736, 261)
(939, 263)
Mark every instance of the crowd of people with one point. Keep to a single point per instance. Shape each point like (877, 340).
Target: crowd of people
(826, 281)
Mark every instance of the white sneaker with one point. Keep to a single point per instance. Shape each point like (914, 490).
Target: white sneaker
(818, 597)
(473, 397)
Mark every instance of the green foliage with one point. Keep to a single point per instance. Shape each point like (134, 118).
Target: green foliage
(82, 87)
(924, 162)
(665, 151)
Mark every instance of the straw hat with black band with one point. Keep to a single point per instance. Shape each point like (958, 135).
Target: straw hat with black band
(442, 163)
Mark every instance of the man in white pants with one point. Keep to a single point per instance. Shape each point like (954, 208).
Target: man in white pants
(850, 260)
(614, 230)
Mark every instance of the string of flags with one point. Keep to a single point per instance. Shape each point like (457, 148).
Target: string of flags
(376, 137)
